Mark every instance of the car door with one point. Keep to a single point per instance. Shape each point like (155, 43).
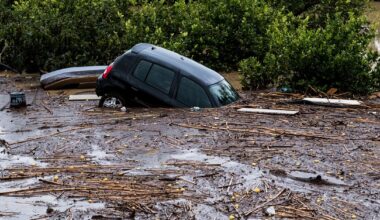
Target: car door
(153, 83)
(190, 94)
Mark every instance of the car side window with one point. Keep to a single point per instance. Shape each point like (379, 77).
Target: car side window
(192, 94)
(160, 78)
(142, 70)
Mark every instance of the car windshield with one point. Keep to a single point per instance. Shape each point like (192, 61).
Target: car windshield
(224, 93)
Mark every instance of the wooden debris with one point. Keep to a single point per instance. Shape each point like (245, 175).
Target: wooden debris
(265, 203)
(87, 97)
(324, 101)
(8, 214)
(45, 136)
(268, 111)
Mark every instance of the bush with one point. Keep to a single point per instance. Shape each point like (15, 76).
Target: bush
(298, 43)
(50, 34)
(218, 33)
(334, 56)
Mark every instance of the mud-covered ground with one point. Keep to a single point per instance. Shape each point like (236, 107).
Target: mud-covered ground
(64, 159)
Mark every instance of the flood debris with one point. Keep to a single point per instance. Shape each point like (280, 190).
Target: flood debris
(83, 97)
(270, 211)
(268, 111)
(248, 213)
(123, 109)
(7, 214)
(73, 77)
(88, 162)
(332, 102)
(18, 100)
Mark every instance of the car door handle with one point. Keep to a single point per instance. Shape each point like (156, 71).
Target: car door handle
(135, 89)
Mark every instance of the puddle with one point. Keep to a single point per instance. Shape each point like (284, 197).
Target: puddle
(17, 184)
(245, 178)
(32, 207)
(9, 160)
(99, 156)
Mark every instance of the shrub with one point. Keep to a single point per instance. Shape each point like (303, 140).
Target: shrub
(334, 56)
(49, 34)
(297, 43)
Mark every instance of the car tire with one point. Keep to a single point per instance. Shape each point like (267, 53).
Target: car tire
(112, 100)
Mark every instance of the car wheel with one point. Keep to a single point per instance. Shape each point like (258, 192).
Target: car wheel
(112, 100)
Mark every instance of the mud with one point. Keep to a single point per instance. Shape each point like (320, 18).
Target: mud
(62, 159)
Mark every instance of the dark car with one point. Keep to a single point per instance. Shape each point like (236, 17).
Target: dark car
(152, 76)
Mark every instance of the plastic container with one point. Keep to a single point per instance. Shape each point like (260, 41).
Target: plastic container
(17, 99)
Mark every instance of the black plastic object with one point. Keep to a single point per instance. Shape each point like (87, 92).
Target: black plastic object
(18, 99)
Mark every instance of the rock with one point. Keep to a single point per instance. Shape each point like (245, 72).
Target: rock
(270, 211)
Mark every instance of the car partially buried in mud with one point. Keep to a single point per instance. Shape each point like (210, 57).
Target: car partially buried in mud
(148, 75)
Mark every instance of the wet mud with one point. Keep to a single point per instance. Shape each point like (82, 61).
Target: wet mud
(62, 159)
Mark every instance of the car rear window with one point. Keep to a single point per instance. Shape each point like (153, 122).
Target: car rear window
(224, 93)
(160, 78)
(142, 70)
(192, 94)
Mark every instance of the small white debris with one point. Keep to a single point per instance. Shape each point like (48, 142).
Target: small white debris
(268, 111)
(270, 211)
(195, 109)
(87, 97)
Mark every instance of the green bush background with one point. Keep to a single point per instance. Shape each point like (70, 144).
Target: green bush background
(273, 43)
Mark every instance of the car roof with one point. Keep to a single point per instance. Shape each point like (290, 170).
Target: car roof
(188, 67)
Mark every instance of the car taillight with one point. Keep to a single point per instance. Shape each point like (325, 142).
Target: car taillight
(107, 71)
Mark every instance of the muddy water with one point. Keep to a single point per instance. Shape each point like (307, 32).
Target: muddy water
(211, 165)
(8, 160)
(35, 207)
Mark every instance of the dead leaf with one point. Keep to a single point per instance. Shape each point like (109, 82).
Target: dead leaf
(332, 91)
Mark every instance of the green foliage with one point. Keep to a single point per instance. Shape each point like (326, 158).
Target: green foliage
(299, 43)
(217, 33)
(334, 56)
(320, 8)
(49, 34)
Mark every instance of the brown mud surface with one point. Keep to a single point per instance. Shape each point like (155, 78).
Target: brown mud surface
(62, 159)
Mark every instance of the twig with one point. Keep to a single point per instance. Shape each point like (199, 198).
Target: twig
(49, 135)
(229, 185)
(50, 182)
(47, 109)
(265, 203)
(3, 50)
